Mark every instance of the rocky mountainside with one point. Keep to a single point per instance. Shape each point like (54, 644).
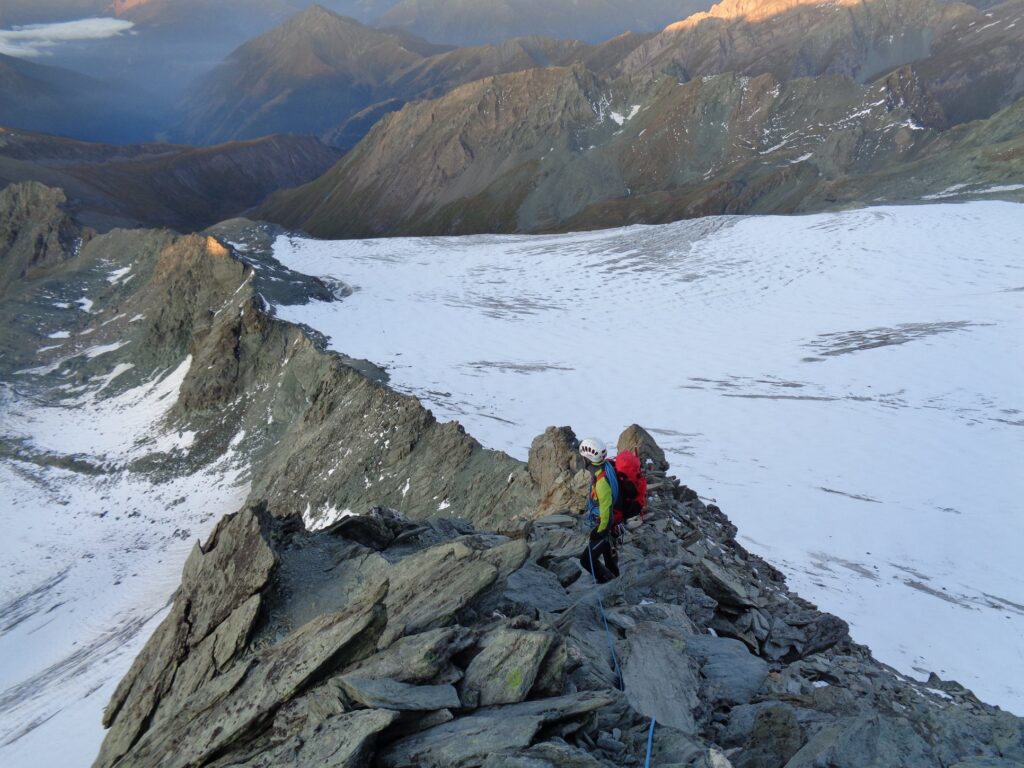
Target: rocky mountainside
(434, 644)
(562, 149)
(423, 603)
(160, 184)
(799, 38)
(727, 112)
(479, 22)
(971, 61)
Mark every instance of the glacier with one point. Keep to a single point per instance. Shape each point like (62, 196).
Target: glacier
(848, 387)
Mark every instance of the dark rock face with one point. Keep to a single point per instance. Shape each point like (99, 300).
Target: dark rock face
(36, 231)
(167, 185)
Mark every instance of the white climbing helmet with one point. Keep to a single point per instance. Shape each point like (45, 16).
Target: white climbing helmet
(593, 450)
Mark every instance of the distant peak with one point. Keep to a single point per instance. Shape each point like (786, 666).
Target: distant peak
(753, 10)
(121, 7)
(317, 13)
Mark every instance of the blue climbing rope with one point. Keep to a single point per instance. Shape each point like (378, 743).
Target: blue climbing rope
(611, 647)
(650, 744)
(604, 619)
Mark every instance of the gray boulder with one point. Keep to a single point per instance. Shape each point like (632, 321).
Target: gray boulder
(469, 741)
(429, 587)
(661, 679)
(383, 693)
(865, 742)
(636, 438)
(535, 587)
(505, 670)
(416, 658)
(554, 467)
(732, 674)
(775, 737)
(722, 585)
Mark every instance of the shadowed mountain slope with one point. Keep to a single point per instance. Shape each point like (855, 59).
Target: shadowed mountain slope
(323, 74)
(307, 75)
(161, 184)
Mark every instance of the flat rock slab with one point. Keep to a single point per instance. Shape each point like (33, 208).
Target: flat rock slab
(429, 587)
(505, 670)
(556, 708)
(546, 755)
(384, 693)
(536, 587)
(416, 658)
(731, 673)
(463, 742)
(661, 678)
(469, 741)
(722, 585)
(344, 741)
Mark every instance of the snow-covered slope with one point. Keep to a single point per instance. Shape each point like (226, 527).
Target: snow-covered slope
(848, 387)
(89, 559)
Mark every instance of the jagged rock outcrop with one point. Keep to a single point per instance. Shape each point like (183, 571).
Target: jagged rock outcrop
(36, 231)
(557, 470)
(429, 663)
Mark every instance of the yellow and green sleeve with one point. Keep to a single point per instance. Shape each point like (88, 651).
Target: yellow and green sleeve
(603, 491)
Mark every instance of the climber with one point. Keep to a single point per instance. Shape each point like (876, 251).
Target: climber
(604, 491)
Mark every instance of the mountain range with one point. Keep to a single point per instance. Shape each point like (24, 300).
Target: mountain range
(332, 76)
(733, 111)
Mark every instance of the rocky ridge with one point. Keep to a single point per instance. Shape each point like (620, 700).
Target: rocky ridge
(324, 74)
(408, 632)
(383, 641)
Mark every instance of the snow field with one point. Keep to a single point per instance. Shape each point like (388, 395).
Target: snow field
(848, 387)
